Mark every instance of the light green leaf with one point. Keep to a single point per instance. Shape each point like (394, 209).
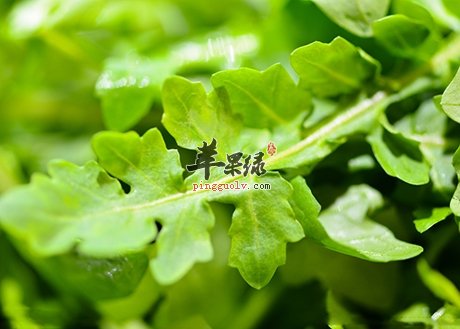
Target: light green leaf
(90, 209)
(11, 296)
(401, 35)
(192, 116)
(452, 6)
(260, 97)
(455, 202)
(87, 208)
(260, 231)
(439, 285)
(450, 100)
(418, 313)
(427, 218)
(414, 10)
(306, 209)
(332, 69)
(355, 16)
(399, 156)
(325, 136)
(428, 125)
(440, 13)
(128, 88)
(351, 232)
(344, 227)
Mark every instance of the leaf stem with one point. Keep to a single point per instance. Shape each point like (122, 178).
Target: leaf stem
(413, 83)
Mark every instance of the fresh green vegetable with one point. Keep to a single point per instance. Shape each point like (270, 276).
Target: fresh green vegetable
(254, 164)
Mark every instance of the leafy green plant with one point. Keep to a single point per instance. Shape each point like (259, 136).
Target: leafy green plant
(365, 123)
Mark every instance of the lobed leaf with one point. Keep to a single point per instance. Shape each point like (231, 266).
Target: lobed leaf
(192, 116)
(332, 69)
(263, 99)
(262, 223)
(84, 207)
(355, 16)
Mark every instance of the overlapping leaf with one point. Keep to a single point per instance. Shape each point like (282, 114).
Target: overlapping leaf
(398, 155)
(346, 228)
(355, 15)
(332, 69)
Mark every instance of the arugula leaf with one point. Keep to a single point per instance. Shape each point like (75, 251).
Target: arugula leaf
(260, 97)
(398, 155)
(401, 35)
(439, 285)
(355, 16)
(260, 232)
(325, 136)
(344, 227)
(427, 218)
(192, 116)
(332, 69)
(353, 233)
(428, 126)
(440, 13)
(94, 211)
(128, 87)
(450, 100)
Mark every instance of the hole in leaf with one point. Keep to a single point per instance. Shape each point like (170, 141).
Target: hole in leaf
(126, 188)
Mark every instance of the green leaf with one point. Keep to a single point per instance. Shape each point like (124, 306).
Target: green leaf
(355, 16)
(87, 208)
(439, 285)
(351, 232)
(259, 231)
(95, 279)
(428, 125)
(455, 202)
(11, 296)
(398, 155)
(260, 97)
(452, 6)
(401, 35)
(427, 218)
(192, 116)
(418, 313)
(325, 136)
(128, 87)
(344, 227)
(440, 13)
(332, 69)
(90, 209)
(450, 100)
